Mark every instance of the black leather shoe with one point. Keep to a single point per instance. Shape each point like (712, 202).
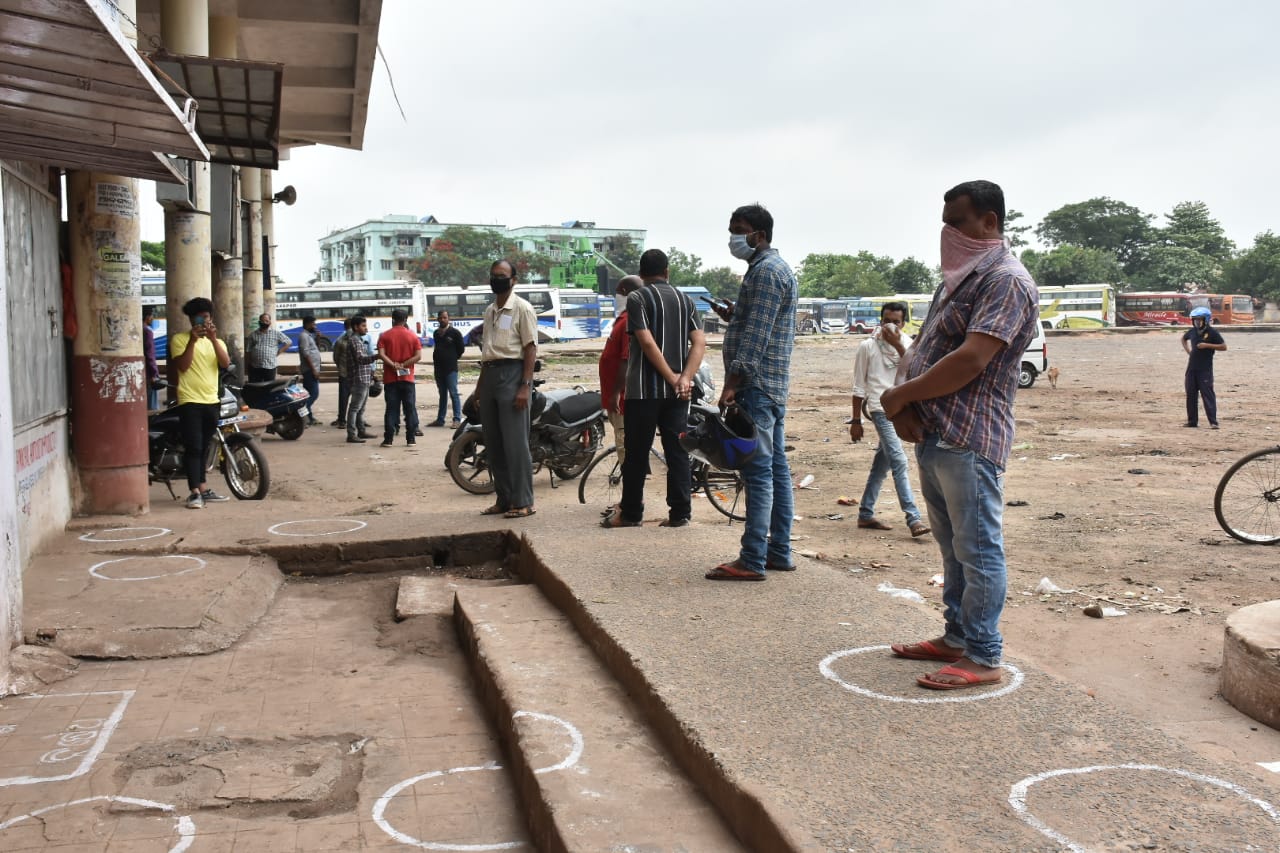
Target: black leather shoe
(353, 440)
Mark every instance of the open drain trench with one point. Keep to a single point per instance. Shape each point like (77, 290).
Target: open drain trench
(339, 772)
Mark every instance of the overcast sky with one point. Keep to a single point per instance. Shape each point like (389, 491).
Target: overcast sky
(847, 119)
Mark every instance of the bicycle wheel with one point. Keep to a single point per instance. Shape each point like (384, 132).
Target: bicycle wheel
(1247, 502)
(725, 490)
(602, 488)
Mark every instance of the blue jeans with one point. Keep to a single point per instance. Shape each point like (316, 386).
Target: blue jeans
(964, 494)
(766, 536)
(447, 385)
(889, 455)
(399, 396)
(312, 384)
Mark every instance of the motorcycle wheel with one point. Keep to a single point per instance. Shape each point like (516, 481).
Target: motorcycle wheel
(291, 427)
(467, 464)
(245, 467)
(572, 471)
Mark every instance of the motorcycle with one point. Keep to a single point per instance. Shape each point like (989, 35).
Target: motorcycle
(286, 400)
(566, 427)
(237, 454)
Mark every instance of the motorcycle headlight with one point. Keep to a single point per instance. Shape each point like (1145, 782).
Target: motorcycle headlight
(228, 409)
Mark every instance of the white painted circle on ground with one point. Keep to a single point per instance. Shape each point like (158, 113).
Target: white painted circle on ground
(183, 823)
(380, 806)
(825, 668)
(575, 737)
(195, 563)
(97, 535)
(355, 524)
(1018, 795)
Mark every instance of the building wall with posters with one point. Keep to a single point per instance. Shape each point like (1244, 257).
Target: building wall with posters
(35, 464)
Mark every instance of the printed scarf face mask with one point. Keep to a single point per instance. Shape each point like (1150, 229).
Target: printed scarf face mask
(961, 255)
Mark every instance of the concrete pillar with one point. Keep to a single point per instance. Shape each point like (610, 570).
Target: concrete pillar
(268, 231)
(10, 550)
(251, 196)
(184, 29)
(108, 374)
(228, 284)
(108, 393)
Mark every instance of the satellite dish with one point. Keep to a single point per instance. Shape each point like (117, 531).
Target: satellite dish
(288, 195)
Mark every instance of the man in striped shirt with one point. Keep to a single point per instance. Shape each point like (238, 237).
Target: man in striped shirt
(661, 363)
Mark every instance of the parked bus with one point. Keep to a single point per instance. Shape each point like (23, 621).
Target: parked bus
(153, 295)
(1077, 306)
(864, 312)
(829, 316)
(564, 313)
(1141, 308)
(333, 302)
(1231, 310)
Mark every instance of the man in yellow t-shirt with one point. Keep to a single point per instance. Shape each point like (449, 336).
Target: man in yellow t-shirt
(198, 356)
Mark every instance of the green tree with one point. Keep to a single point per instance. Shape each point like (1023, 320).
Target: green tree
(1013, 231)
(1191, 226)
(722, 282)
(153, 254)
(1069, 264)
(685, 270)
(911, 276)
(830, 276)
(1120, 229)
(1256, 271)
(1179, 268)
(462, 255)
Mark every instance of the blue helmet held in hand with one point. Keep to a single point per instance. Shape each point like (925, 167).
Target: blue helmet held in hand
(725, 440)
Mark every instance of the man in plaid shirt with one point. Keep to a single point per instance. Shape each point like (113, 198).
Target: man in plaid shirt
(956, 405)
(360, 377)
(757, 364)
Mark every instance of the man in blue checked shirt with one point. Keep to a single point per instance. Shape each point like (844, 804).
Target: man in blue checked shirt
(757, 362)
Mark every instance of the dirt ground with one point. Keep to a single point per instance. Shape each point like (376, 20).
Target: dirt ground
(1114, 501)
(1118, 507)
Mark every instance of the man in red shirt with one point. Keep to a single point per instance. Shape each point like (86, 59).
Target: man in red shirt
(613, 362)
(400, 349)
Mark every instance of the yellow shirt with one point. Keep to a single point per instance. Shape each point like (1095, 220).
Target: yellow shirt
(199, 382)
(509, 329)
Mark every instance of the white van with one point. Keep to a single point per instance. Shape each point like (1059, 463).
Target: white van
(1035, 360)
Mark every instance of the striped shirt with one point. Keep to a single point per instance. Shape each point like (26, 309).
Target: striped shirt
(997, 299)
(670, 316)
(762, 333)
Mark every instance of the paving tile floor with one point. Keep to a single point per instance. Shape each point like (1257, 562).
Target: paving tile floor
(325, 662)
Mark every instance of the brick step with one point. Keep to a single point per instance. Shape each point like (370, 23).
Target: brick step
(591, 773)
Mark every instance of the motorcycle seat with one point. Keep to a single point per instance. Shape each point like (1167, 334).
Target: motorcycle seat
(579, 406)
(273, 385)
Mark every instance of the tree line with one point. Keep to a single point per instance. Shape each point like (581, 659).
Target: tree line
(1098, 240)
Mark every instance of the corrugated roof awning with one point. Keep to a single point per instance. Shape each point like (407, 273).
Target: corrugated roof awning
(239, 105)
(75, 93)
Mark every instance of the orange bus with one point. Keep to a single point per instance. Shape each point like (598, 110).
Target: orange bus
(1231, 310)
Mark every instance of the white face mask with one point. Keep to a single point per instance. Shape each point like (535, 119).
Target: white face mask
(619, 304)
(740, 248)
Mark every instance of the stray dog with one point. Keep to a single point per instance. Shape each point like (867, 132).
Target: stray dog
(1053, 377)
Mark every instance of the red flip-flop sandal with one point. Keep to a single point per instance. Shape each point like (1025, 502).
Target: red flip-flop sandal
(931, 652)
(970, 679)
(733, 572)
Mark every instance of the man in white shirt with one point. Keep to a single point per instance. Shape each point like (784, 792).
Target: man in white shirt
(874, 369)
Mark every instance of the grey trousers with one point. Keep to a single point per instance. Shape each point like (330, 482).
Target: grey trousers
(358, 399)
(506, 434)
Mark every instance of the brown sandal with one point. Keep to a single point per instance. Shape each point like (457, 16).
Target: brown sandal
(496, 509)
(519, 512)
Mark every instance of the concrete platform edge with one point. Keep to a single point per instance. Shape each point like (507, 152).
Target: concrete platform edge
(758, 825)
(539, 812)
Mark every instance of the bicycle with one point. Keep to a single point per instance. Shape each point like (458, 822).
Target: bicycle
(1249, 494)
(724, 489)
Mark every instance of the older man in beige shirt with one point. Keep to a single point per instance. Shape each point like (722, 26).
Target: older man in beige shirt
(508, 349)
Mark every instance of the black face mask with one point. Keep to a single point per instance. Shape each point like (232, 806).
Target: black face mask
(264, 325)
(499, 283)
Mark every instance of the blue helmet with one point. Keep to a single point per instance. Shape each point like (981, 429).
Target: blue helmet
(724, 440)
(1202, 312)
